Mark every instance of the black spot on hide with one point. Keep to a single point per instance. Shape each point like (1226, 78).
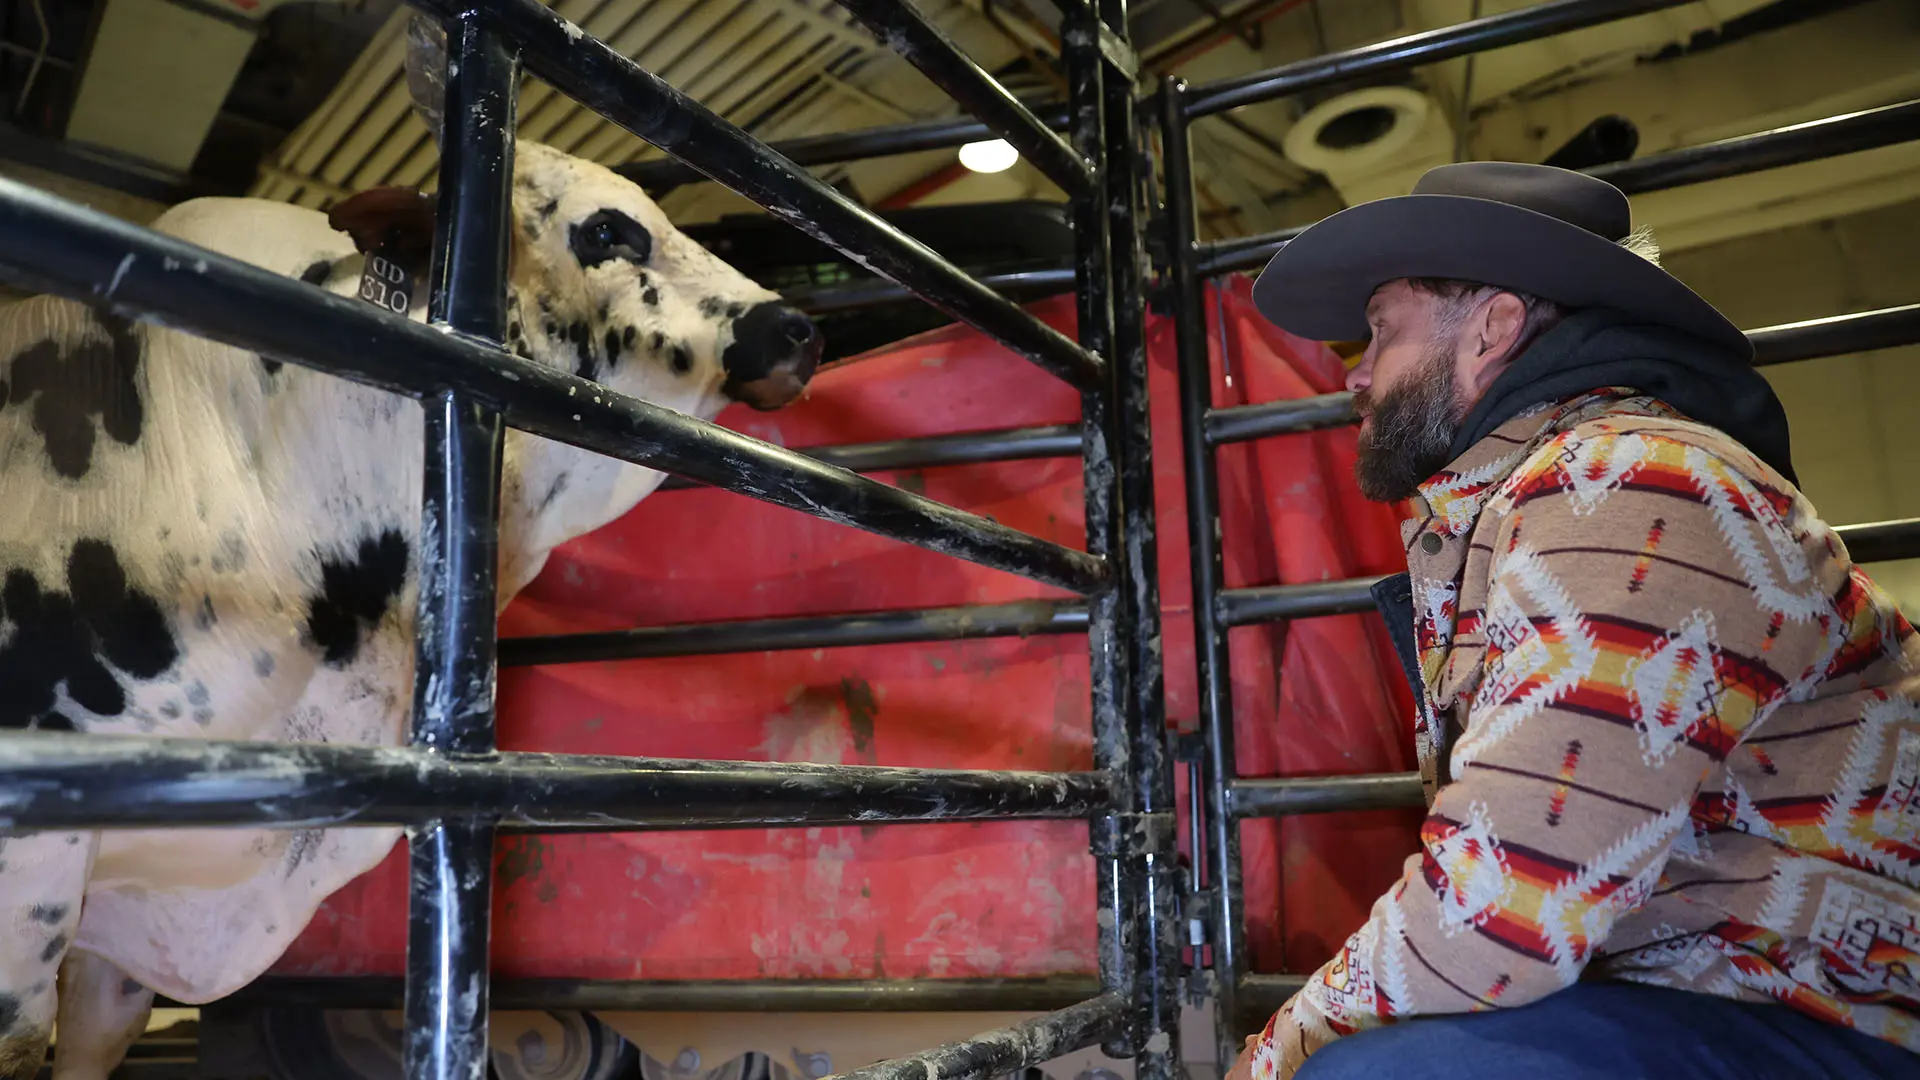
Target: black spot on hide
(51, 914)
(586, 365)
(682, 359)
(69, 386)
(355, 593)
(71, 639)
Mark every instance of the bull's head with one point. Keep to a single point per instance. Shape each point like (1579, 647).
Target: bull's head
(604, 285)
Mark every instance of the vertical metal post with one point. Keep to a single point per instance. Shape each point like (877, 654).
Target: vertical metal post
(451, 861)
(1106, 660)
(1153, 858)
(1227, 935)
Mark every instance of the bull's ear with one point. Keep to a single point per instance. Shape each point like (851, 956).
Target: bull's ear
(395, 220)
(427, 69)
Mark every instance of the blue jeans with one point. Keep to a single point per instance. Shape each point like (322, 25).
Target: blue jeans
(1615, 1031)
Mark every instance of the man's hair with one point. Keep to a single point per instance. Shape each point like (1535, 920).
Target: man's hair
(1459, 298)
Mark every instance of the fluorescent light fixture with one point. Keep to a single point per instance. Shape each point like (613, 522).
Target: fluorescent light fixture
(992, 156)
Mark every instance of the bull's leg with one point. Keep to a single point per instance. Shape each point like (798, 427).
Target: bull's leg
(101, 1013)
(42, 877)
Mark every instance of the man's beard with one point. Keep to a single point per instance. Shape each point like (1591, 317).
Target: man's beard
(1410, 430)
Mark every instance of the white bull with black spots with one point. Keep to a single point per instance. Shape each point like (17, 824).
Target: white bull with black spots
(198, 542)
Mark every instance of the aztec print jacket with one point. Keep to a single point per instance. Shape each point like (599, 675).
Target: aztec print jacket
(1671, 736)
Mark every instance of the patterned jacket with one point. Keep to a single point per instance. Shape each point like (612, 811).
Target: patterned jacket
(1675, 736)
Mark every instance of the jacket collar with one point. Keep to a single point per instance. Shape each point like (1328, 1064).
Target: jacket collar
(1450, 500)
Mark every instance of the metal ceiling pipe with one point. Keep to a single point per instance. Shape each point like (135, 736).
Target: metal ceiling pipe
(1429, 47)
(1835, 135)
(842, 146)
(1604, 141)
(924, 46)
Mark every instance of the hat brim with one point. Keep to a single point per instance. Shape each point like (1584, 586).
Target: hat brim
(1318, 285)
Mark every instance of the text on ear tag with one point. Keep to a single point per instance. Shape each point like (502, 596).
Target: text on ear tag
(385, 283)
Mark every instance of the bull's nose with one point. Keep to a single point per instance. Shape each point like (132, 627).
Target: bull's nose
(774, 352)
(797, 328)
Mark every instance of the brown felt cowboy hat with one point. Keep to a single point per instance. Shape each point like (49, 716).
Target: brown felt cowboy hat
(1538, 229)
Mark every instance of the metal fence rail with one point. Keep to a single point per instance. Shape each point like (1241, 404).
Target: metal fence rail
(451, 788)
(1836, 335)
(1023, 618)
(1243, 1000)
(1849, 133)
(713, 995)
(133, 782)
(67, 249)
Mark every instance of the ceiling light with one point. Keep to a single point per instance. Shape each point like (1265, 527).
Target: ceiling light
(992, 156)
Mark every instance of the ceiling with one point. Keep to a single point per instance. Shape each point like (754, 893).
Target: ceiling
(304, 100)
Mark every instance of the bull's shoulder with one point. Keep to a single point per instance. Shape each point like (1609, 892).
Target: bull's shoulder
(285, 239)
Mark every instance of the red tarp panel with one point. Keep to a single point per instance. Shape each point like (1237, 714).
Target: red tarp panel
(1002, 898)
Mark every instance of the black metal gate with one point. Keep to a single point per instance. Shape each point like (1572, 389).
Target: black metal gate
(451, 788)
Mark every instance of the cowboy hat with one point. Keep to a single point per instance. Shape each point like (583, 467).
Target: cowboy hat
(1534, 228)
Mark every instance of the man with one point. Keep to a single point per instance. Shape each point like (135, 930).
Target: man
(1671, 735)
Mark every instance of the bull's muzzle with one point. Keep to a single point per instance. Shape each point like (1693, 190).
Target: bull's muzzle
(774, 352)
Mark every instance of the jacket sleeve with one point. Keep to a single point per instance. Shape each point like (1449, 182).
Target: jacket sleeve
(1648, 602)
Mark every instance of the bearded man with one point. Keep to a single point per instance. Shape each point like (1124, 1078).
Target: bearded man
(1670, 733)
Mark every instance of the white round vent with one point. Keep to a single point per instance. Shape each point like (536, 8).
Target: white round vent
(1360, 130)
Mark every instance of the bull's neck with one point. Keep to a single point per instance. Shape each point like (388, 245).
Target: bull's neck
(551, 493)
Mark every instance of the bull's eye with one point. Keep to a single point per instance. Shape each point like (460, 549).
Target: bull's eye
(610, 234)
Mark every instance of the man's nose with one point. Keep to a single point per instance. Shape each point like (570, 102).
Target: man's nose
(1361, 376)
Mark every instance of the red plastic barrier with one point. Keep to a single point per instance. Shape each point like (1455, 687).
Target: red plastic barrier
(999, 898)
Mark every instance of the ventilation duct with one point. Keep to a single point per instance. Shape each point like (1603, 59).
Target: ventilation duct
(1372, 143)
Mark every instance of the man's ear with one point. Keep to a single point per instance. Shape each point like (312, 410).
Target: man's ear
(1492, 333)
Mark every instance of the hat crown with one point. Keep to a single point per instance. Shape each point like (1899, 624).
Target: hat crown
(1575, 198)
